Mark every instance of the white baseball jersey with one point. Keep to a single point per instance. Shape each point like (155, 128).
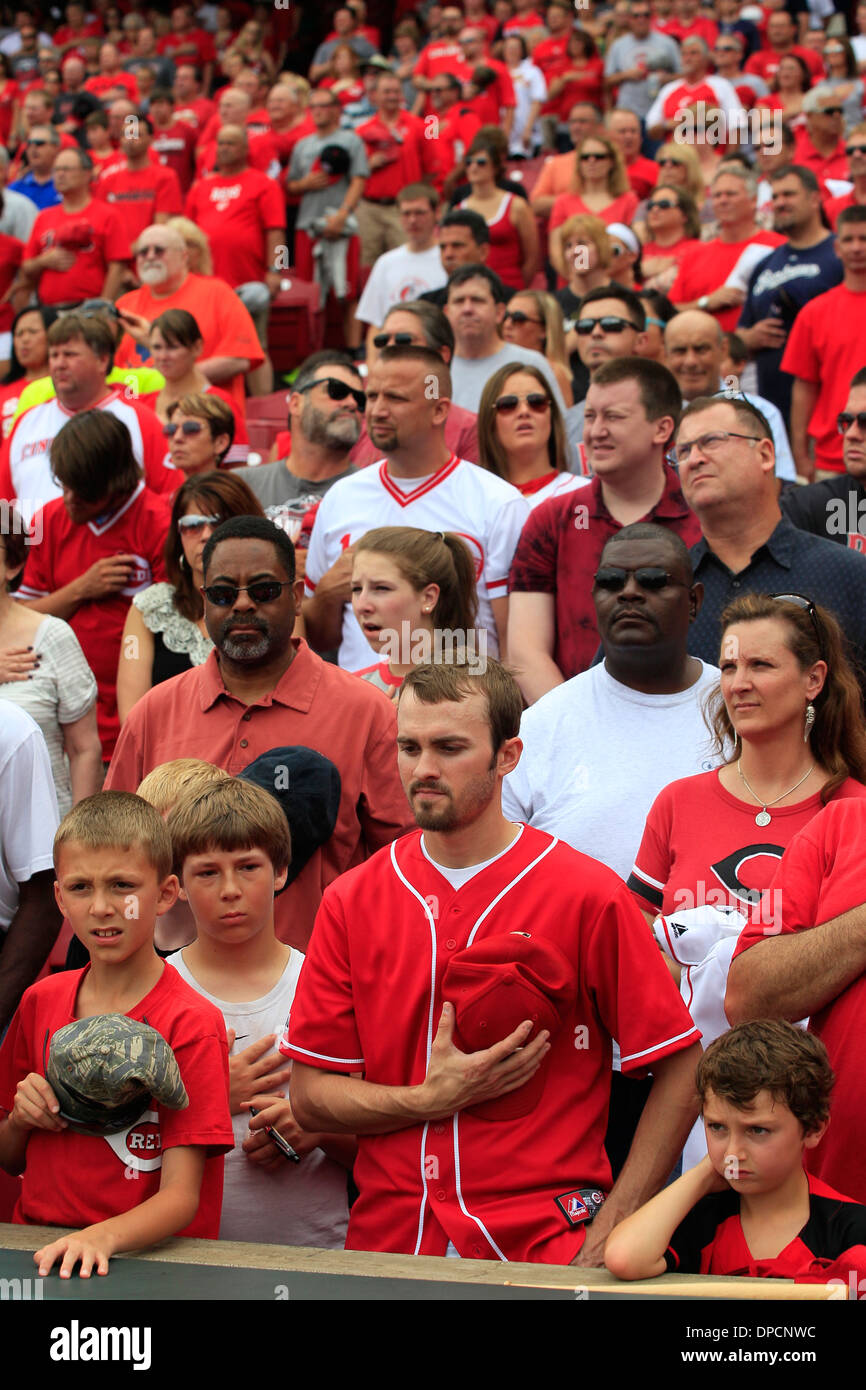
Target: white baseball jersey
(485, 511)
(25, 460)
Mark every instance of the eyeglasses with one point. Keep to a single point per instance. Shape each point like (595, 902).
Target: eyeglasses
(664, 203)
(612, 580)
(727, 48)
(855, 149)
(383, 340)
(157, 250)
(608, 323)
(518, 316)
(707, 443)
(590, 155)
(476, 159)
(194, 522)
(187, 427)
(800, 601)
(262, 591)
(536, 400)
(847, 419)
(338, 390)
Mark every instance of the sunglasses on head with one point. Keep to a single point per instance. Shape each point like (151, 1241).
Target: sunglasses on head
(262, 591)
(518, 316)
(338, 390)
(536, 400)
(608, 324)
(187, 427)
(194, 522)
(612, 579)
(800, 601)
(847, 419)
(383, 340)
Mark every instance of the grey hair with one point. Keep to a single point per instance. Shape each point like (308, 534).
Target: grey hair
(738, 171)
(812, 98)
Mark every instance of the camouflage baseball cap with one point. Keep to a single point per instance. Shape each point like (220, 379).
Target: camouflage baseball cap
(105, 1069)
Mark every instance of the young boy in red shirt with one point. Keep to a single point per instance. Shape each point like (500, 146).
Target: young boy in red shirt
(162, 1175)
(750, 1207)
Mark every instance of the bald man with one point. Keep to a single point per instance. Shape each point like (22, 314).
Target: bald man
(694, 350)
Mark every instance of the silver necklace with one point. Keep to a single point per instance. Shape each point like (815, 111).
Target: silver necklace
(763, 817)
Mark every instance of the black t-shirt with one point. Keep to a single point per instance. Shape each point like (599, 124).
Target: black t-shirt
(834, 509)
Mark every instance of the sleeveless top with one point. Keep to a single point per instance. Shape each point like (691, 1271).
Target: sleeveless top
(177, 643)
(505, 255)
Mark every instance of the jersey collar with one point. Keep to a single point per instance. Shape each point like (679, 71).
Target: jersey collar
(425, 486)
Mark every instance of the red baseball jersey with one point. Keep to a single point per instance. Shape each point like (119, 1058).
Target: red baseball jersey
(74, 1179)
(174, 146)
(66, 551)
(235, 211)
(137, 196)
(370, 998)
(95, 234)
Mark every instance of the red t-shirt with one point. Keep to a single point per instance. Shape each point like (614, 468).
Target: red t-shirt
(825, 346)
(196, 113)
(549, 55)
(9, 95)
(234, 211)
(175, 149)
(589, 87)
(138, 196)
(74, 1179)
(457, 129)
(262, 150)
(819, 878)
(766, 62)
(559, 551)
(834, 206)
(620, 209)
(370, 997)
(354, 92)
(831, 166)
(11, 253)
(402, 144)
(95, 233)
(107, 82)
(67, 551)
(675, 252)
(706, 266)
(700, 28)
(643, 175)
(196, 47)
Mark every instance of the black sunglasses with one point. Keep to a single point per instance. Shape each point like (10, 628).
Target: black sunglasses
(262, 591)
(800, 601)
(383, 340)
(855, 149)
(590, 155)
(612, 579)
(664, 203)
(187, 427)
(518, 316)
(536, 400)
(830, 111)
(847, 419)
(608, 324)
(338, 390)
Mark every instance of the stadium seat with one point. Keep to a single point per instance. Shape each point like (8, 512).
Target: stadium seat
(266, 416)
(297, 324)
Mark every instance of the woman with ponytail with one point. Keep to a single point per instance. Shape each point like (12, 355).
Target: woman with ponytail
(414, 595)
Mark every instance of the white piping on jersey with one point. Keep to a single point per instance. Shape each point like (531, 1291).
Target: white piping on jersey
(632, 1056)
(324, 1057)
(647, 878)
(429, 915)
(115, 516)
(478, 1222)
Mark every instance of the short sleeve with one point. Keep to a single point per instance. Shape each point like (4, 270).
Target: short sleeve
(697, 1231)
(28, 809)
(801, 357)
(322, 1028)
(37, 580)
(273, 209)
(16, 1060)
(504, 536)
(204, 1069)
(652, 866)
(533, 569)
(75, 682)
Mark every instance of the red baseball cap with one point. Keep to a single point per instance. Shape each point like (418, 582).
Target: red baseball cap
(498, 983)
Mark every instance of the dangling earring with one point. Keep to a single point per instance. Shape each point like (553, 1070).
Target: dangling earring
(810, 720)
(182, 562)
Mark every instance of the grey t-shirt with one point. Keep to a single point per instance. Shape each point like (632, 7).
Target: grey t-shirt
(656, 51)
(470, 375)
(273, 484)
(19, 214)
(360, 46)
(318, 202)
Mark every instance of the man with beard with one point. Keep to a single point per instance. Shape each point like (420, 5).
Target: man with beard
(482, 1109)
(230, 344)
(326, 411)
(262, 689)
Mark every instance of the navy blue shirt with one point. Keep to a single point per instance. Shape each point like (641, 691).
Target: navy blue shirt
(802, 275)
(790, 562)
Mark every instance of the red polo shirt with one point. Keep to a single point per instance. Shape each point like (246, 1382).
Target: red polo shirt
(559, 552)
(313, 704)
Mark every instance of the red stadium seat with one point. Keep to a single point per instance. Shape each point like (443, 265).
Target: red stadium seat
(266, 416)
(296, 326)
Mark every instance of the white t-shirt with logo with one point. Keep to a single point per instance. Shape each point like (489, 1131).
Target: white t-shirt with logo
(398, 277)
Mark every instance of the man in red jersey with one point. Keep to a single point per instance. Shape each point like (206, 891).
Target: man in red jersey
(185, 42)
(481, 1133)
(173, 140)
(395, 145)
(102, 543)
(76, 250)
(781, 31)
(623, 127)
(143, 192)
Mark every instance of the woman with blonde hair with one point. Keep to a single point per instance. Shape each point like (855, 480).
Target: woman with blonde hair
(521, 434)
(533, 319)
(600, 186)
(250, 44)
(197, 245)
(679, 167)
(408, 587)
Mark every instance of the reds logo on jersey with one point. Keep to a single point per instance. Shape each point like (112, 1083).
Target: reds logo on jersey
(476, 549)
(140, 578)
(140, 1146)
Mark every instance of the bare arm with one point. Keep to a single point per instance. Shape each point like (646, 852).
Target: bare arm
(531, 634)
(104, 577)
(28, 940)
(803, 400)
(794, 976)
(664, 1125)
(114, 280)
(527, 229)
(636, 1250)
(346, 1105)
(323, 613)
(218, 369)
(84, 751)
(500, 617)
(135, 667)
